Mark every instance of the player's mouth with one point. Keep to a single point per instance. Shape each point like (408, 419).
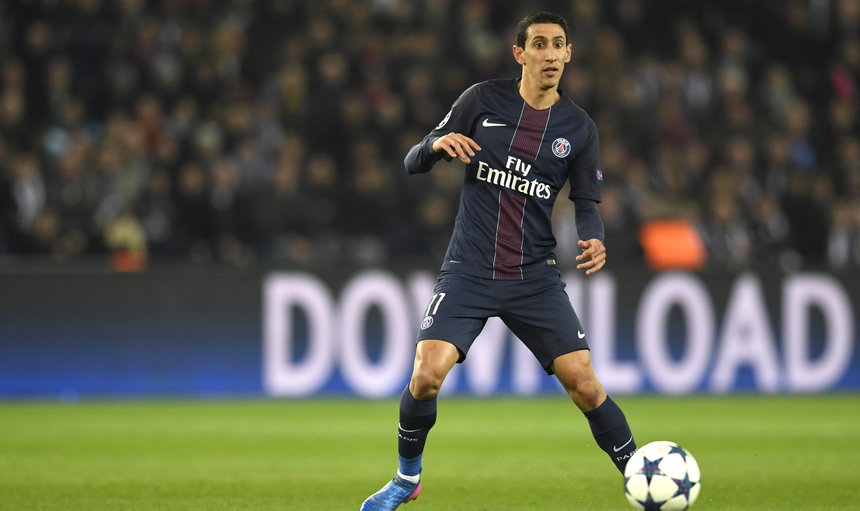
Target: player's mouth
(550, 71)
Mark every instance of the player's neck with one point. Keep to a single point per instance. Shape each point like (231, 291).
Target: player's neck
(535, 97)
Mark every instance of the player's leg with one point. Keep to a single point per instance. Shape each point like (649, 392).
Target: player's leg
(457, 313)
(433, 360)
(608, 423)
(545, 321)
(452, 320)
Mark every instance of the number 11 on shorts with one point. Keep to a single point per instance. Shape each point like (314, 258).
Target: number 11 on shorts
(434, 304)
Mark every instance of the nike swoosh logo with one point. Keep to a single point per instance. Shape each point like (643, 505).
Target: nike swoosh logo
(488, 124)
(616, 449)
(581, 335)
(419, 429)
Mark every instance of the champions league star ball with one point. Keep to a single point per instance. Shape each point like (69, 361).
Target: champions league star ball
(662, 476)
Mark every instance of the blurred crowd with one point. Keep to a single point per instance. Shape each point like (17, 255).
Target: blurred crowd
(273, 131)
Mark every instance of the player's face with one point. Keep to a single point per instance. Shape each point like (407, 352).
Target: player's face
(545, 53)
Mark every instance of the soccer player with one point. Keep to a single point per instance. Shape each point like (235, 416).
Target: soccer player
(521, 140)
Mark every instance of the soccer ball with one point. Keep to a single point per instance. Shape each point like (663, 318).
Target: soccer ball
(662, 476)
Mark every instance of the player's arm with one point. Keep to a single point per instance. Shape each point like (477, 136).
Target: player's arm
(589, 225)
(450, 139)
(426, 153)
(586, 181)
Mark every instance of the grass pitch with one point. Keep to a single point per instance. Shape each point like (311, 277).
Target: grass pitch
(756, 453)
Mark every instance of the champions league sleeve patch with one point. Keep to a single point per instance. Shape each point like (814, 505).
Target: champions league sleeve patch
(561, 147)
(445, 120)
(598, 174)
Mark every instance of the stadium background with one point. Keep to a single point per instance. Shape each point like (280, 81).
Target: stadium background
(207, 198)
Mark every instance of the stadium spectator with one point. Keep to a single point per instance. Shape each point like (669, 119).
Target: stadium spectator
(178, 115)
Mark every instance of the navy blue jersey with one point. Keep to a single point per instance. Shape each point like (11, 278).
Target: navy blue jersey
(503, 229)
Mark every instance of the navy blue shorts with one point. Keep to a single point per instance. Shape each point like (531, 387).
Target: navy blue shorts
(538, 311)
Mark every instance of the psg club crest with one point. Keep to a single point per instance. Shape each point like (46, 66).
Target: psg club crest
(561, 147)
(425, 324)
(598, 174)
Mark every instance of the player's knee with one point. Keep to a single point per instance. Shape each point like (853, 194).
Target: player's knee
(425, 383)
(587, 393)
(590, 393)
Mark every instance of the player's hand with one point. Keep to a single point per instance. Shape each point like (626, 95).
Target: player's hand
(593, 256)
(456, 145)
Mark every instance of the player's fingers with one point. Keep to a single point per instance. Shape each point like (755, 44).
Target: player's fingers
(597, 257)
(592, 265)
(442, 145)
(586, 250)
(593, 256)
(466, 144)
(446, 144)
(457, 145)
(452, 149)
(591, 252)
(460, 153)
(468, 149)
(594, 270)
(597, 266)
(588, 262)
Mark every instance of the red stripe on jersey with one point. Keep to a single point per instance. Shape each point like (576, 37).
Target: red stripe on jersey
(509, 237)
(528, 136)
(529, 133)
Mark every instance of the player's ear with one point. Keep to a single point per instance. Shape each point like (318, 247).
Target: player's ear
(518, 54)
(569, 53)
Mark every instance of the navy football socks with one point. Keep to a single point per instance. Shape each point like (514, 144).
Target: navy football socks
(417, 416)
(612, 433)
(608, 425)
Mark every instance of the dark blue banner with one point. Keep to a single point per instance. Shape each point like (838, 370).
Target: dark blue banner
(298, 334)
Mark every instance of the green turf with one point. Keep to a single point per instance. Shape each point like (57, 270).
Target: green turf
(756, 453)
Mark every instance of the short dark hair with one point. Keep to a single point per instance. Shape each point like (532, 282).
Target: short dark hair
(539, 17)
